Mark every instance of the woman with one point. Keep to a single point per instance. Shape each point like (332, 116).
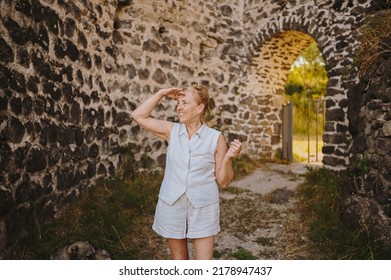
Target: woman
(198, 160)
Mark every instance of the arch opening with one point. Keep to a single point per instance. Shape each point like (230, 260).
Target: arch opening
(265, 93)
(306, 89)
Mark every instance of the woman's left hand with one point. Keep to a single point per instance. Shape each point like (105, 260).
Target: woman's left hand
(234, 149)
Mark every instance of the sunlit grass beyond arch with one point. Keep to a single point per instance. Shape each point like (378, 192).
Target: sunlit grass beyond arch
(306, 86)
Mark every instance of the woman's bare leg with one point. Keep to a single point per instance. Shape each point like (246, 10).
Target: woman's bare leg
(178, 249)
(203, 248)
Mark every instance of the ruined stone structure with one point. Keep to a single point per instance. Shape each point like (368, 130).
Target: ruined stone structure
(71, 72)
(367, 196)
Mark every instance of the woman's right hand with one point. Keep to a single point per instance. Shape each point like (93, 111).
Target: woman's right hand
(173, 93)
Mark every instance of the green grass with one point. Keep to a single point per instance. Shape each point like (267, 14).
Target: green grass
(264, 241)
(244, 165)
(109, 216)
(112, 215)
(117, 214)
(242, 254)
(319, 204)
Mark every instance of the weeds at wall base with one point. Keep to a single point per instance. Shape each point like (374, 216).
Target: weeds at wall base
(108, 216)
(117, 214)
(319, 202)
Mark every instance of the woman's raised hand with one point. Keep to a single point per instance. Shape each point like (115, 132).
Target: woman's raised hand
(234, 149)
(173, 93)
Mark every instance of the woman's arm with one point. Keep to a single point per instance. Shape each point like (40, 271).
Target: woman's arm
(223, 159)
(142, 114)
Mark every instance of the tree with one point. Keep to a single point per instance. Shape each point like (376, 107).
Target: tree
(306, 80)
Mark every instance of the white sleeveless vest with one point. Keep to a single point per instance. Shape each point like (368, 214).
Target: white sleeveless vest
(190, 166)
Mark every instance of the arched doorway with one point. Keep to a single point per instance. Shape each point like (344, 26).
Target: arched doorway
(264, 93)
(306, 88)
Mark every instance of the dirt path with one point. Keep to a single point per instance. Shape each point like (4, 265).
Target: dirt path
(259, 219)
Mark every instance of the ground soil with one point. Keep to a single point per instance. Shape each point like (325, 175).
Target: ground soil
(259, 218)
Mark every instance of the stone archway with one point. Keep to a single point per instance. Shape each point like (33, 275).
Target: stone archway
(260, 113)
(276, 40)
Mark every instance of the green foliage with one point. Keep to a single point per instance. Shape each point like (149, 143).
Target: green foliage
(319, 201)
(244, 165)
(363, 165)
(217, 254)
(264, 241)
(307, 80)
(146, 161)
(323, 177)
(234, 190)
(108, 216)
(375, 40)
(308, 75)
(243, 254)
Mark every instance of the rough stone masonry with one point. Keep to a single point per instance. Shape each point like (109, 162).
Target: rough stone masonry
(71, 72)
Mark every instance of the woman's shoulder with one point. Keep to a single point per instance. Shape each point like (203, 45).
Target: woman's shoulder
(212, 134)
(212, 130)
(177, 128)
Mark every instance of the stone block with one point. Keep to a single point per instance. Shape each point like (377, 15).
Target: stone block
(75, 113)
(52, 20)
(16, 105)
(27, 105)
(383, 145)
(36, 160)
(143, 74)
(159, 76)
(387, 128)
(65, 177)
(5, 155)
(359, 144)
(54, 155)
(24, 7)
(335, 115)
(28, 191)
(5, 75)
(21, 36)
(327, 149)
(42, 38)
(93, 151)
(151, 46)
(16, 130)
(32, 83)
(121, 119)
(17, 82)
(70, 27)
(6, 53)
(82, 39)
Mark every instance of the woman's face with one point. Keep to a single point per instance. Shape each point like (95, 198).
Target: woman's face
(188, 108)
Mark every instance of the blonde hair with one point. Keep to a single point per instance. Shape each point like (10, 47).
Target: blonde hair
(201, 94)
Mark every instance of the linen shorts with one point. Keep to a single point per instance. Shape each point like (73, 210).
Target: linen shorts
(181, 220)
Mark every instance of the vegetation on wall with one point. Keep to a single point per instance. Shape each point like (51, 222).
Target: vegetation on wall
(381, 4)
(375, 41)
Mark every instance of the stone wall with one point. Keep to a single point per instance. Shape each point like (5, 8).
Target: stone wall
(72, 71)
(61, 119)
(367, 196)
